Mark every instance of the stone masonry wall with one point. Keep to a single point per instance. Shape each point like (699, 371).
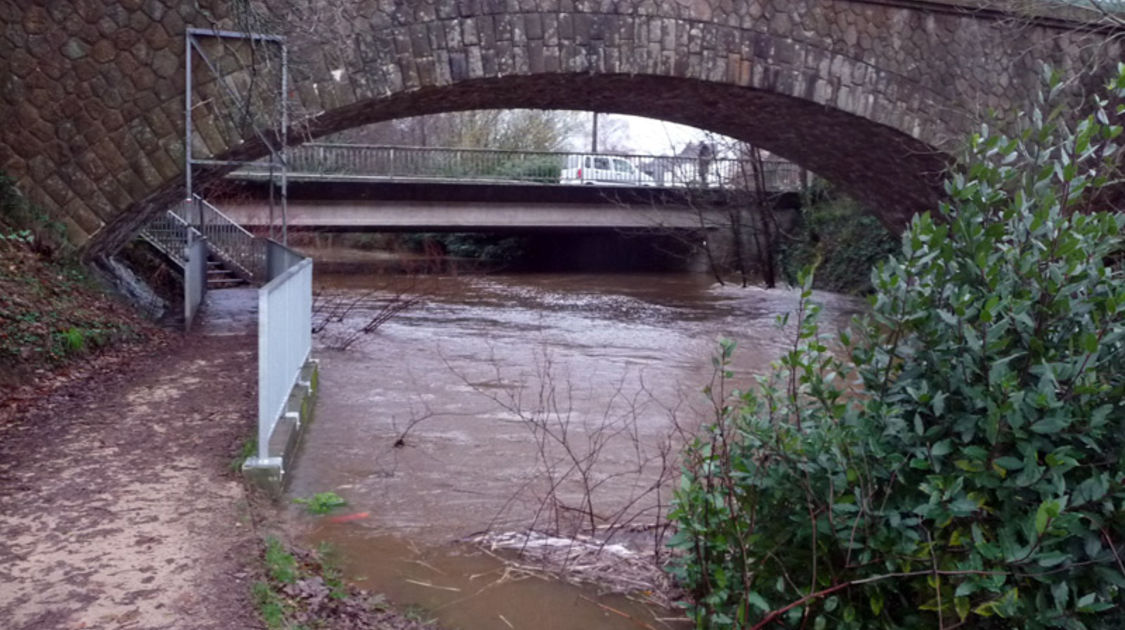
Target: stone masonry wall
(872, 95)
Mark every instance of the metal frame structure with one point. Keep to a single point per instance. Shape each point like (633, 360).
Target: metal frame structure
(277, 154)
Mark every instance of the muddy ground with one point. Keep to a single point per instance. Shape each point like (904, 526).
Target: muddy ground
(118, 505)
(121, 502)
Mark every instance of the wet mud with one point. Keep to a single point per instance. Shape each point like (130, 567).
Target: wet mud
(117, 505)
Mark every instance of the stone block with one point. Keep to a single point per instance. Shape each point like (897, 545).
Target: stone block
(93, 68)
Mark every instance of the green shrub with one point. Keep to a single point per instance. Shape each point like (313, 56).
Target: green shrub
(962, 466)
(471, 245)
(75, 339)
(838, 236)
(545, 169)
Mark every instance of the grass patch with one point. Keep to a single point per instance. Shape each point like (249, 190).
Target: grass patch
(274, 605)
(249, 447)
(321, 502)
(304, 590)
(330, 570)
(280, 564)
(270, 605)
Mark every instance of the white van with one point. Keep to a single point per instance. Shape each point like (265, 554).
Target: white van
(602, 170)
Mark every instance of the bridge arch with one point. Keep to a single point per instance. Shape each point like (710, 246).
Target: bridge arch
(890, 170)
(869, 94)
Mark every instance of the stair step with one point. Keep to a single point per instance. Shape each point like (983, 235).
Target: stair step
(220, 284)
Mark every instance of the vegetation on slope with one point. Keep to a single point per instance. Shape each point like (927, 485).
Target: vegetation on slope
(839, 237)
(51, 310)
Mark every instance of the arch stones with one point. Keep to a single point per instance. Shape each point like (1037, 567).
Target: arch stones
(873, 95)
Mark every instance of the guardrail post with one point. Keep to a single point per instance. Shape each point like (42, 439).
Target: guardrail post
(195, 276)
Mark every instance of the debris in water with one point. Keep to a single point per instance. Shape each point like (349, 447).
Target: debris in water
(584, 560)
(617, 612)
(429, 585)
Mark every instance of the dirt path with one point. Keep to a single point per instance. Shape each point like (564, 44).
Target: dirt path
(118, 508)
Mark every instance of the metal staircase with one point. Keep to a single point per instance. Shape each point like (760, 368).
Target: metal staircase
(219, 276)
(235, 256)
(169, 234)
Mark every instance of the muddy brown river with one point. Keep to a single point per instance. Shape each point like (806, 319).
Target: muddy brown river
(508, 403)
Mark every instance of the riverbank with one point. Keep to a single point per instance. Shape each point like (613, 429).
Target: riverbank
(122, 506)
(57, 317)
(118, 506)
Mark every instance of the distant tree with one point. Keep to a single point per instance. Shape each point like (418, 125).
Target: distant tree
(732, 187)
(613, 134)
(509, 130)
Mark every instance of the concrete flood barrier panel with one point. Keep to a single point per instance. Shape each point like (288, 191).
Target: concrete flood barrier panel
(285, 439)
(288, 378)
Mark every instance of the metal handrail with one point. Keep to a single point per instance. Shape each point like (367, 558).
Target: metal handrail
(170, 234)
(397, 163)
(227, 239)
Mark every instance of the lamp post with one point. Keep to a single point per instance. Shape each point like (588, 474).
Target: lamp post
(594, 143)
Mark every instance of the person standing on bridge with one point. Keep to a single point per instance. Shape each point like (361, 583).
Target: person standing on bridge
(706, 154)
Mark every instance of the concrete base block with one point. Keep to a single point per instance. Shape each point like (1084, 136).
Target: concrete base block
(269, 474)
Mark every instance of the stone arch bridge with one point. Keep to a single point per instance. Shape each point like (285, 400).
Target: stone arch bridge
(872, 94)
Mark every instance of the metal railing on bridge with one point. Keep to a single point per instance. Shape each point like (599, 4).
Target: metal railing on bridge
(194, 229)
(405, 163)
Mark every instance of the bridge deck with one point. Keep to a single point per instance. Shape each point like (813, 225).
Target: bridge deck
(430, 206)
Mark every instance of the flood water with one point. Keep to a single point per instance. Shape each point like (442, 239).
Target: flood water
(513, 402)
